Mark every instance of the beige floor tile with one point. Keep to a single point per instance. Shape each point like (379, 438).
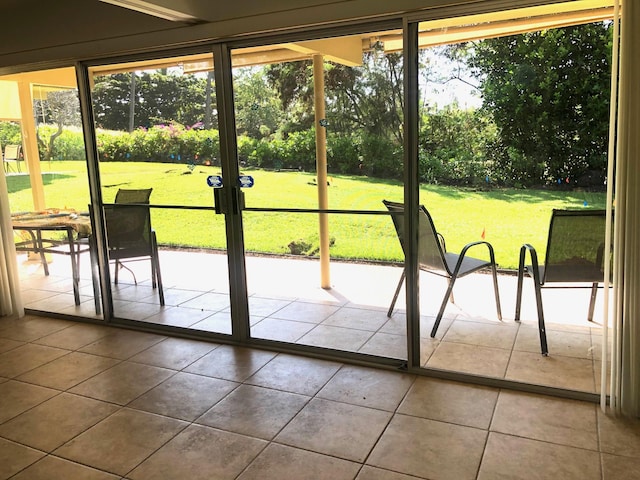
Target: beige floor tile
(185, 396)
(176, 296)
(279, 462)
(554, 371)
(453, 402)
(619, 435)
(27, 357)
(200, 453)
(120, 442)
(132, 293)
(61, 302)
(295, 374)
(386, 345)
(372, 473)
(137, 310)
(306, 312)
(264, 307)
(231, 363)
(554, 420)
(283, 330)
(14, 457)
(338, 338)
(254, 411)
(397, 325)
(357, 318)
(178, 316)
(76, 336)
(337, 429)
(30, 328)
(210, 301)
(50, 468)
(490, 362)
(54, 422)
(123, 383)
(367, 387)
(568, 344)
(219, 322)
(122, 344)
(514, 458)
(7, 344)
(615, 467)
(67, 371)
(497, 335)
(174, 353)
(17, 397)
(429, 449)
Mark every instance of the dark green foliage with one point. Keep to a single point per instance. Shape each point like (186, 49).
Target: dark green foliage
(548, 92)
(454, 145)
(160, 99)
(10, 134)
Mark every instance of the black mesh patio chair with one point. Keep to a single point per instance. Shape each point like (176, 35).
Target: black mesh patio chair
(575, 248)
(434, 258)
(130, 236)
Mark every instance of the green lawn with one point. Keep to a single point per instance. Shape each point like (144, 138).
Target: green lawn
(509, 217)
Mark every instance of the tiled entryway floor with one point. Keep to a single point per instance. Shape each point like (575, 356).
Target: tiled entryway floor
(287, 304)
(83, 401)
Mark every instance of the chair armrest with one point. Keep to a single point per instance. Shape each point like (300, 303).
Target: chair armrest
(474, 244)
(469, 246)
(535, 269)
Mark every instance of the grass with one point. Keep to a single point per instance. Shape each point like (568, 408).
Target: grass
(508, 217)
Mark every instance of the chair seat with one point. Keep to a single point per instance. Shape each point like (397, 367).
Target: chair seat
(469, 264)
(587, 273)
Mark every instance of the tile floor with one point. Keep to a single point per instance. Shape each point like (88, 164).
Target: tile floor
(84, 401)
(287, 304)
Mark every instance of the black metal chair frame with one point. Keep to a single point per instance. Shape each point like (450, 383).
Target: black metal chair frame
(449, 265)
(118, 254)
(583, 272)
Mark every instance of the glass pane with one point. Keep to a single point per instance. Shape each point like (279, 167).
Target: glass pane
(156, 124)
(45, 166)
(289, 145)
(511, 127)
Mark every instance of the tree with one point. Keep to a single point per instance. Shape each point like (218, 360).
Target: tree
(548, 92)
(60, 108)
(368, 97)
(160, 98)
(258, 109)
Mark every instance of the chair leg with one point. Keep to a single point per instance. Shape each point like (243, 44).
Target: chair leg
(592, 302)
(519, 289)
(155, 266)
(452, 280)
(395, 295)
(495, 289)
(541, 325)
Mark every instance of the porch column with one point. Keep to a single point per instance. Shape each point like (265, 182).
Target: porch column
(30, 144)
(321, 168)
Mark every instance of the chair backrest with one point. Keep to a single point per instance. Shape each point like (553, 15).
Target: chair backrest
(129, 226)
(12, 152)
(430, 251)
(575, 246)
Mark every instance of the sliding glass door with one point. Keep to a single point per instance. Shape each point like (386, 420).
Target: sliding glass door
(44, 162)
(156, 123)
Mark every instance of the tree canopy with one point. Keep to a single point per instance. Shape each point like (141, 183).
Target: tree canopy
(548, 92)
